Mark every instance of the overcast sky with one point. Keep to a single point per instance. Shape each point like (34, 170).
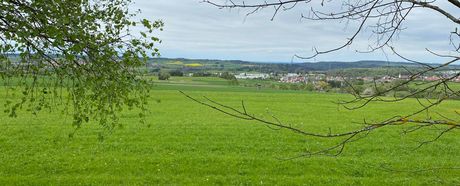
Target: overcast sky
(198, 30)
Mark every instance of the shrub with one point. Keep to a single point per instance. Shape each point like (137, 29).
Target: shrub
(201, 74)
(227, 76)
(176, 73)
(163, 76)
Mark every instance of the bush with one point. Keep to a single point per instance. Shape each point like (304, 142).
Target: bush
(400, 94)
(400, 88)
(176, 73)
(309, 87)
(355, 89)
(233, 82)
(335, 84)
(163, 76)
(202, 74)
(154, 70)
(283, 87)
(227, 76)
(322, 86)
(294, 86)
(368, 91)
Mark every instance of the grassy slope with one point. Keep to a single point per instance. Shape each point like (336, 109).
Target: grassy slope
(190, 144)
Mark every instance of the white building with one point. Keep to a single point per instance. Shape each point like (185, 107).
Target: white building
(252, 76)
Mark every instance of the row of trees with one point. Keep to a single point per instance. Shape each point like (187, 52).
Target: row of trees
(224, 75)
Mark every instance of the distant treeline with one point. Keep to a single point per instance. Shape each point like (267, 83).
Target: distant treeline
(235, 66)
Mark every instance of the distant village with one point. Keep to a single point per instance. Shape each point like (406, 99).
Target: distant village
(306, 78)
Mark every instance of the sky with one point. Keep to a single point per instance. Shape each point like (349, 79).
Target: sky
(201, 31)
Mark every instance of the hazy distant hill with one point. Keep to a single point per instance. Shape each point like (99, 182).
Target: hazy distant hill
(325, 66)
(237, 65)
(246, 66)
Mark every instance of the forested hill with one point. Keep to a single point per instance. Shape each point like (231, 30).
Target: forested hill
(246, 66)
(325, 66)
(237, 65)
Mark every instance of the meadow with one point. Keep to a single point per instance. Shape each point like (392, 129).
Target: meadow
(186, 143)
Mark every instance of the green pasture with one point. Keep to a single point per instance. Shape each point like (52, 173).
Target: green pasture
(184, 143)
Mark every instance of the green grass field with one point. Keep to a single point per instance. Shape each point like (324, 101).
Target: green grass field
(194, 145)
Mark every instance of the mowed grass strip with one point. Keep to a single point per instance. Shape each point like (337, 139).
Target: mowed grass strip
(191, 144)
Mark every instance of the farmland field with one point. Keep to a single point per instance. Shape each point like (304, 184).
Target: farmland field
(187, 143)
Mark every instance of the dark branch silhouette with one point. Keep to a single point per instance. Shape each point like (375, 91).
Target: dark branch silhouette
(385, 19)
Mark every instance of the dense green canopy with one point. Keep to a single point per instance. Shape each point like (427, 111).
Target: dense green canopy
(77, 53)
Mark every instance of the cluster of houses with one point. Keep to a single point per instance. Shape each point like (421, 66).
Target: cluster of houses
(297, 78)
(252, 76)
(307, 78)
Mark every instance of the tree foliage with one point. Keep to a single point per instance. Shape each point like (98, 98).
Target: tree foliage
(163, 76)
(79, 55)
